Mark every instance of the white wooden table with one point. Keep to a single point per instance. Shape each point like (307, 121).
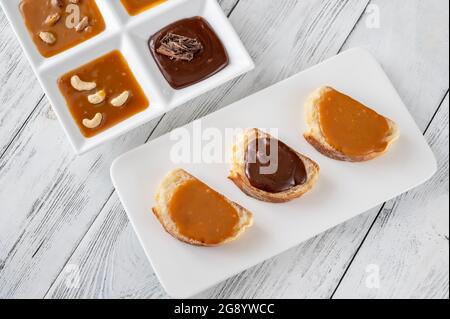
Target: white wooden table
(64, 234)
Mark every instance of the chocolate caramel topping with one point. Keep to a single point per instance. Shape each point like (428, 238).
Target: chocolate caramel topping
(288, 169)
(189, 64)
(178, 47)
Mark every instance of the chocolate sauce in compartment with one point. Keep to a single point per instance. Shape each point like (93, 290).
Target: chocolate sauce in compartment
(187, 52)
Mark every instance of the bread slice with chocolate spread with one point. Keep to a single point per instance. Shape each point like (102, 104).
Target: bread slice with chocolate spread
(269, 190)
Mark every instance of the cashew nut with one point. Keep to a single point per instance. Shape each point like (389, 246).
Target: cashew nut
(47, 37)
(57, 3)
(83, 24)
(94, 122)
(97, 97)
(52, 19)
(79, 85)
(120, 99)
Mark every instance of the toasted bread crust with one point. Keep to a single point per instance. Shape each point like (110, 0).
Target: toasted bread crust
(238, 176)
(175, 179)
(321, 148)
(316, 138)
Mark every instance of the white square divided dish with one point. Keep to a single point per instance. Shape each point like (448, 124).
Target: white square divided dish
(344, 190)
(130, 35)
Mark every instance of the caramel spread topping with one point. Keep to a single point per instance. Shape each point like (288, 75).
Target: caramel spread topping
(55, 25)
(349, 126)
(105, 86)
(202, 214)
(288, 169)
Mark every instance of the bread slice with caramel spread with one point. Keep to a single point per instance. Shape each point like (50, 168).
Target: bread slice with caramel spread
(192, 212)
(267, 176)
(344, 129)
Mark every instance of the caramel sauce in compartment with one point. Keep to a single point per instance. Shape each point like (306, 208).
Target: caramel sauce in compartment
(202, 214)
(289, 169)
(351, 127)
(111, 74)
(35, 13)
(134, 7)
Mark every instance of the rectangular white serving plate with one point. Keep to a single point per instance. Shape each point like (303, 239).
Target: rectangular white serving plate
(130, 36)
(344, 190)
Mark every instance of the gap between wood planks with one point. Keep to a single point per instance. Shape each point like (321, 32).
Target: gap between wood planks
(22, 126)
(354, 27)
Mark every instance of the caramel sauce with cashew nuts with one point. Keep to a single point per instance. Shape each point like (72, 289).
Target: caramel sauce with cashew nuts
(37, 13)
(351, 127)
(111, 74)
(202, 214)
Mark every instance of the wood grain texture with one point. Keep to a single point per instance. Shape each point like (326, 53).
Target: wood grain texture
(412, 44)
(48, 202)
(269, 21)
(114, 266)
(19, 90)
(51, 199)
(408, 244)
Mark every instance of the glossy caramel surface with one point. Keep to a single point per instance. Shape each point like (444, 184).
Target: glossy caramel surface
(202, 214)
(35, 13)
(351, 127)
(111, 74)
(134, 7)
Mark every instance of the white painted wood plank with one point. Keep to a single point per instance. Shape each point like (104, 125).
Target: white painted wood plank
(407, 248)
(267, 22)
(19, 90)
(49, 199)
(228, 5)
(113, 266)
(412, 44)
